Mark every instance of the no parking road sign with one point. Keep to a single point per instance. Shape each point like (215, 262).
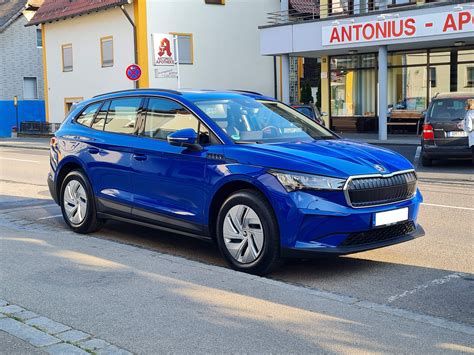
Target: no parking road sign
(133, 72)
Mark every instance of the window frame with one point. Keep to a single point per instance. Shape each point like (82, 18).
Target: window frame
(36, 90)
(141, 125)
(71, 100)
(191, 41)
(102, 40)
(64, 46)
(40, 31)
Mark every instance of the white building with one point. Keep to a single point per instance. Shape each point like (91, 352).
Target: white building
(88, 46)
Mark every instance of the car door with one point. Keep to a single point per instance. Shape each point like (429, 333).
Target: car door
(170, 183)
(109, 154)
(446, 116)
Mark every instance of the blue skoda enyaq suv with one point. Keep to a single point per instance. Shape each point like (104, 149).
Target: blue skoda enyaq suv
(257, 176)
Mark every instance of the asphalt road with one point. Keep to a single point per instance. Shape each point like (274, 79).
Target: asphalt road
(433, 275)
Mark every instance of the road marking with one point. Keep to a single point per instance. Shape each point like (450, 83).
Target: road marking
(446, 206)
(436, 282)
(417, 156)
(23, 160)
(48, 217)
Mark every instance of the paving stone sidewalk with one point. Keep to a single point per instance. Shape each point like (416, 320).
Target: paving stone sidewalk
(50, 336)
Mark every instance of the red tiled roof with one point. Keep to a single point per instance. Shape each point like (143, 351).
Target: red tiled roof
(60, 9)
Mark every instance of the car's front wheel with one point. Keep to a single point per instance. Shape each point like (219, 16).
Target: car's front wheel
(248, 233)
(77, 203)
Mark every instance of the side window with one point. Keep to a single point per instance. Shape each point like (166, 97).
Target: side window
(166, 116)
(86, 116)
(99, 119)
(122, 115)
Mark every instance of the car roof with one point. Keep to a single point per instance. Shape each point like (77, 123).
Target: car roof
(454, 95)
(189, 94)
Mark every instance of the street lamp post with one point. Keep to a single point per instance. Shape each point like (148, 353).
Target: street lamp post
(15, 103)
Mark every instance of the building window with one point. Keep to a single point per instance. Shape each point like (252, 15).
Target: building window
(107, 51)
(215, 2)
(69, 102)
(39, 38)
(30, 88)
(185, 48)
(66, 50)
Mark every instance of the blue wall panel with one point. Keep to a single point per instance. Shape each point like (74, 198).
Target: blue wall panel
(28, 110)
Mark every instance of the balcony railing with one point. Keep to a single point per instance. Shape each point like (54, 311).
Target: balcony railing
(309, 10)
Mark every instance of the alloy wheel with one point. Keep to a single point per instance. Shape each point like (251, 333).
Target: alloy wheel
(75, 202)
(243, 234)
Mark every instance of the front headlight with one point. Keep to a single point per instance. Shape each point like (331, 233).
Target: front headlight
(293, 181)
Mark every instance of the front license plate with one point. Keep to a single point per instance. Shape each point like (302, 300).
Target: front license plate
(391, 217)
(457, 134)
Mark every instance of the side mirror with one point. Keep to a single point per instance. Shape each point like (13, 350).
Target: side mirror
(186, 137)
(324, 114)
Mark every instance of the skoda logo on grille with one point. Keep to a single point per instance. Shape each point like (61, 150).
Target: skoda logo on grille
(379, 168)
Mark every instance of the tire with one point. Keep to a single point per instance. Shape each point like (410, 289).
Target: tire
(249, 218)
(78, 203)
(425, 161)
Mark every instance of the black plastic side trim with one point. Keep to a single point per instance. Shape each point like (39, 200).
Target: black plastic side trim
(154, 226)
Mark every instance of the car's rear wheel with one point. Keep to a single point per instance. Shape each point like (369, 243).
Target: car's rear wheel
(248, 233)
(425, 161)
(77, 203)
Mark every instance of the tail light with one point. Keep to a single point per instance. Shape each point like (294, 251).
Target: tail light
(428, 132)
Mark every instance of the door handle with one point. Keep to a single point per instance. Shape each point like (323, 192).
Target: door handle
(139, 157)
(93, 150)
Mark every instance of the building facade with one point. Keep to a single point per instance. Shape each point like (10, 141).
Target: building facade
(88, 46)
(380, 62)
(21, 66)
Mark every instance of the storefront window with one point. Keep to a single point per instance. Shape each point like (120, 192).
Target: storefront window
(440, 79)
(354, 61)
(440, 57)
(353, 92)
(465, 77)
(407, 58)
(407, 88)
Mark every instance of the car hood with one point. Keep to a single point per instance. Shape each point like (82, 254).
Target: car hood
(335, 157)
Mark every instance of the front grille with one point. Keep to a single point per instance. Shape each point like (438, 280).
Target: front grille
(379, 234)
(379, 190)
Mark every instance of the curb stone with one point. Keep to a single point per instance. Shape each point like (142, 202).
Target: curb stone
(50, 336)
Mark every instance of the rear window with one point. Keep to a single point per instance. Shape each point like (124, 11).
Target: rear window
(447, 109)
(306, 111)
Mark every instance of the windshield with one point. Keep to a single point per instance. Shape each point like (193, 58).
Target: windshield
(246, 120)
(447, 110)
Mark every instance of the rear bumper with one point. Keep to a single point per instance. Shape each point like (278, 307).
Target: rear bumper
(329, 250)
(52, 188)
(432, 151)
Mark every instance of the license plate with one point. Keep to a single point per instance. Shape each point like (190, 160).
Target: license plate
(391, 217)
(457, 134)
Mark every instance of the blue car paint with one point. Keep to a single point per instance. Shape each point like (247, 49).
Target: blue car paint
(179, 184)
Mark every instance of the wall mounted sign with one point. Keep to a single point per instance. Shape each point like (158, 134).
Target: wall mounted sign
(399, 28)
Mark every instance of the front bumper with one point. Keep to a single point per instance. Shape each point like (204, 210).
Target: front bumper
(317, 251)
(323, 222)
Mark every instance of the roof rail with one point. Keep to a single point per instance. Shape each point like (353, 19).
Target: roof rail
(143, 89)
(247, 92)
